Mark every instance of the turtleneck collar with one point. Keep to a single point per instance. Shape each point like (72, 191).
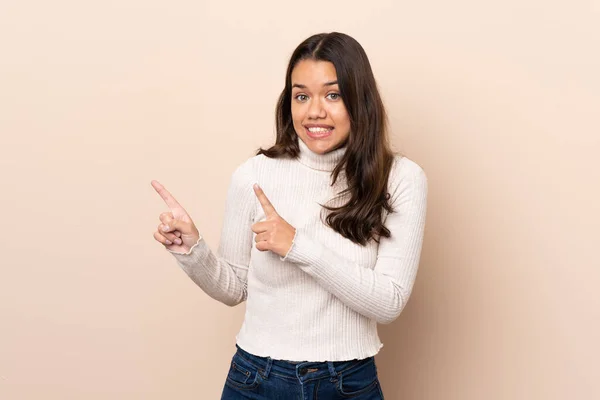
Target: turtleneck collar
(320, 162)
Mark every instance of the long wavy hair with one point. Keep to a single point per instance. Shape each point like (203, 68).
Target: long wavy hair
(368, 158)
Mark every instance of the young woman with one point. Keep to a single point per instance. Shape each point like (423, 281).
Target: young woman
(322, 235)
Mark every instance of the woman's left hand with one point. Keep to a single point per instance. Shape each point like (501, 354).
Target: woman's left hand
(273, 234)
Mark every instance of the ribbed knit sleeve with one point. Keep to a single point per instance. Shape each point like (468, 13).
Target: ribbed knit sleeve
(223, 276)
(382, 292)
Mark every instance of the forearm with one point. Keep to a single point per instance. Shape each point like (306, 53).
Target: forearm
(219, 279)
(366, 291)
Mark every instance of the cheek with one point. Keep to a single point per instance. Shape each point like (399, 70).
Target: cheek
(340, 117)
(297, 113)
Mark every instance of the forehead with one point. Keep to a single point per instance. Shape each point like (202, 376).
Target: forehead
(313, 72)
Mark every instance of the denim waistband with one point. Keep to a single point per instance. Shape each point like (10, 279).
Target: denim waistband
(303, 370)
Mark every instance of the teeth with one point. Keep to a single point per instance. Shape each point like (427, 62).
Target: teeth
(319, 129)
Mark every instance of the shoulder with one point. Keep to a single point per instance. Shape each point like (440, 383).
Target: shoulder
(250, 170)
(406, 175)
(243, 177)
(260, 167)
(404, 168)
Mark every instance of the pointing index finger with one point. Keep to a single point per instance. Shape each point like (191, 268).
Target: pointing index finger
(166, 196)
(264, 201)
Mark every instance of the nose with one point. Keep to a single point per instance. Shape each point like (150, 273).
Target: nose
(316, 109)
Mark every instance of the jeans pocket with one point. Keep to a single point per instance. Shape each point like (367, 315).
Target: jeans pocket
(358, 379)
(242, 374)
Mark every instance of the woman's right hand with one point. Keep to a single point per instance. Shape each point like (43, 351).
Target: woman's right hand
(176, 230)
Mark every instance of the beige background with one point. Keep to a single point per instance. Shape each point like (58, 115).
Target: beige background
(498, 101)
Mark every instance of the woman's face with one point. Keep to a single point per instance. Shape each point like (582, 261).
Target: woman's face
(318, 112)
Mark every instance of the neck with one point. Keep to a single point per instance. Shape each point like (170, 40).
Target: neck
(320, 162)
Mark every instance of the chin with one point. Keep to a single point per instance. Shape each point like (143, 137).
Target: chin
(320, 146)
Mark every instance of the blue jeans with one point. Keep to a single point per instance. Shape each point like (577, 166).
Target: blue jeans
(260, 378)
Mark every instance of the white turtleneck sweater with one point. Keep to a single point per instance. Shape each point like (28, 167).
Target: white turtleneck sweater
(323, 300)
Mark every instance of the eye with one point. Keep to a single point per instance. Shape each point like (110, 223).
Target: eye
(333, 96)
(301, 98)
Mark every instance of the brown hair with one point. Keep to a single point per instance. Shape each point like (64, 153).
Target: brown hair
(368, 158)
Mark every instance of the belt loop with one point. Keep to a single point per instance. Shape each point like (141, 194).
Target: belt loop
(332, 371)
(268, 367)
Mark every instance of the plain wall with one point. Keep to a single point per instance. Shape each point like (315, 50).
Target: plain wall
(498, 101)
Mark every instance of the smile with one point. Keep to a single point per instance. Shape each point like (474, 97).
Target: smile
(319, 132)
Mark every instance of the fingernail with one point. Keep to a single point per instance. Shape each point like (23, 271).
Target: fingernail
(169, 242)
(178, 241)
(165, 228)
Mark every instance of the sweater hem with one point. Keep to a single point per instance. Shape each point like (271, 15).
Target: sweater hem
(290, 357)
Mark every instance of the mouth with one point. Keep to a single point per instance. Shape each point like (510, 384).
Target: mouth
(318, 131)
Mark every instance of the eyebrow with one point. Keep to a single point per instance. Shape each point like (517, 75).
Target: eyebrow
(298, 85)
